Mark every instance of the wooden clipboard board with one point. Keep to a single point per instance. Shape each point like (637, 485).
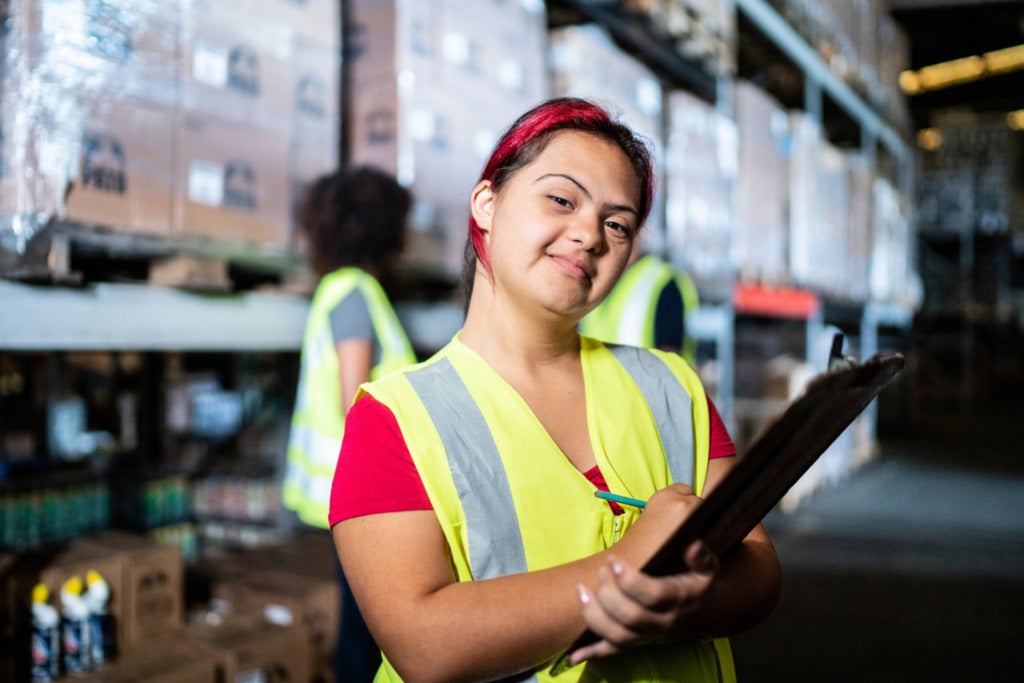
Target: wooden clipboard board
(773, 463)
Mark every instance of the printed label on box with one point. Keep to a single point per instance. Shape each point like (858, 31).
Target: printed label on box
(210, 65)
(206, 183)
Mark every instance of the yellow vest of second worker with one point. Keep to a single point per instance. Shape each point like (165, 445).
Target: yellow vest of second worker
(626, 316)
(509, 501)
(318, 421)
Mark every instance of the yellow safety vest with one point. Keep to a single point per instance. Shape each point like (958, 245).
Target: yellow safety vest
(626, 316)
(509, 501)
(317, 422)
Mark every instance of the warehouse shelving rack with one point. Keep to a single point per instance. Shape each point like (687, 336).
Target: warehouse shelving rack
(113, 315)
(866, 319)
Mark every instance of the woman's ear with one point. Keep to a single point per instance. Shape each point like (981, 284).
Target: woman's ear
(481, 204)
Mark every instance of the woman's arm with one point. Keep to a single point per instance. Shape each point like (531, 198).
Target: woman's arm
(627, 607)
(433, 628)
(355, 360)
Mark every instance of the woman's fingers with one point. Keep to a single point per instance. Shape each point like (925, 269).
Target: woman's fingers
(627, 606)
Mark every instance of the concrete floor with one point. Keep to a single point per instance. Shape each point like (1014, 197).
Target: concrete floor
(910, 569)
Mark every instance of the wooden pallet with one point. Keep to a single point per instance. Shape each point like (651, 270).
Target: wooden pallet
(67, 253)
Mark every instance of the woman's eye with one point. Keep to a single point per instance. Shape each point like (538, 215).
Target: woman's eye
(617, 227)
(561, 201)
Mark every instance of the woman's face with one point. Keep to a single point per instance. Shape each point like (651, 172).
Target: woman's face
(560, 230)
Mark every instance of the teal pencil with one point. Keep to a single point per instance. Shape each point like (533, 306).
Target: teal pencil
(625, 500)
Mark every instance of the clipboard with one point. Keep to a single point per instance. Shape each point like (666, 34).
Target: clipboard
(773, 463)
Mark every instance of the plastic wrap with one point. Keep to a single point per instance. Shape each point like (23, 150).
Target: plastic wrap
(701, 168)
(761, 244)
(819, 250)
(109, 109)
(893, 273)
(87, 97)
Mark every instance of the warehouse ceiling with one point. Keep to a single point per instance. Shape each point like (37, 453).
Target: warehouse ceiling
(945, 30)
(937, 30)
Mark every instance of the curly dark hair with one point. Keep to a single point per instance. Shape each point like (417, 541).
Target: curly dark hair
(354, 217)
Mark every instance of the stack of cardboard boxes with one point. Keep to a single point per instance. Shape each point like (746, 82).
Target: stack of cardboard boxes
(431, 94)
(145, 580)
(271, 615)
(182, 119)
(702, 163)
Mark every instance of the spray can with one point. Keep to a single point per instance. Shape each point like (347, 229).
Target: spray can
(74, 627)
(45, 636)
(101, 626)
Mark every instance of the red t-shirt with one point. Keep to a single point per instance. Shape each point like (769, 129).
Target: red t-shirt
(389, 481)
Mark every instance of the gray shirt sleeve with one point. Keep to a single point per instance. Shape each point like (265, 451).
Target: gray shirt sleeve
(350, 319)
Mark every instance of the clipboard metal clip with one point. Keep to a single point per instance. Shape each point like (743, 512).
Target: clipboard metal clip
(836, 360)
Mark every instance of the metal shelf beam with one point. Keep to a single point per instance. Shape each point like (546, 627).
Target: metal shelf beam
(123, 316)
(640, 37)
(109, 316)
(796, 48)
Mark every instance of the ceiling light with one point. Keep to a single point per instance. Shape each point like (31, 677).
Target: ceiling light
(1007, 59)
(957, 71)
(929, 139)
(963, 70)
(909, 82)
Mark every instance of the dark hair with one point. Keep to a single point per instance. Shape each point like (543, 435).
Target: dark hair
(530, 134)
(354, 217)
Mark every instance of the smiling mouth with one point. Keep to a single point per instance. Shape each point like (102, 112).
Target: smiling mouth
(575, 268)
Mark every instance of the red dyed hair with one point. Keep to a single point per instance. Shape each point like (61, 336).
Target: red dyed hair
(530, 134)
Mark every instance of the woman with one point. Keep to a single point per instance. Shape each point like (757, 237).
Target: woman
(497, 554)
(355, 222)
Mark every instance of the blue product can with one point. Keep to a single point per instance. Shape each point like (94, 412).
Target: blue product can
(101, 639)
(45, 653)
(74, 641)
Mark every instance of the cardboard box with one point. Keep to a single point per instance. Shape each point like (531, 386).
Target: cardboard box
(761, 238)
(313, 152)
(316, 19)
(316, 123)
(246, 651)
(124, 170)
(123, 49)
(152, 586)
(52, 568)
(232, 180)
(88, 159)
(309, 604)
(172, 660)
(236, 66)
(317, 83)
(430, 97)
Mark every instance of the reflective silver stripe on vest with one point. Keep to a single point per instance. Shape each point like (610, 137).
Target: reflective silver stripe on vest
(492, 527)
(665, 396)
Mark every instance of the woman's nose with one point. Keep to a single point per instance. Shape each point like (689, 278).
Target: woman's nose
(586, 231)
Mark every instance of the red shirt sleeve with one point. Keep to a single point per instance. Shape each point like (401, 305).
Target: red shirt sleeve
(376, 473)
(721, 444)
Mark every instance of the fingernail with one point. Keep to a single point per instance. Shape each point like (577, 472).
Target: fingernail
(616, 567)
(584, 594)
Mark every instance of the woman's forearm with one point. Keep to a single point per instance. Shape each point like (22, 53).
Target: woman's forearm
(745, 592)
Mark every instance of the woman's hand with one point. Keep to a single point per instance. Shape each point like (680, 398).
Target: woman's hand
(628, 607)
(712, 598)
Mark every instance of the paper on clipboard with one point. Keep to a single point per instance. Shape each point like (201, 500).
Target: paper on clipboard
(776, 459)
